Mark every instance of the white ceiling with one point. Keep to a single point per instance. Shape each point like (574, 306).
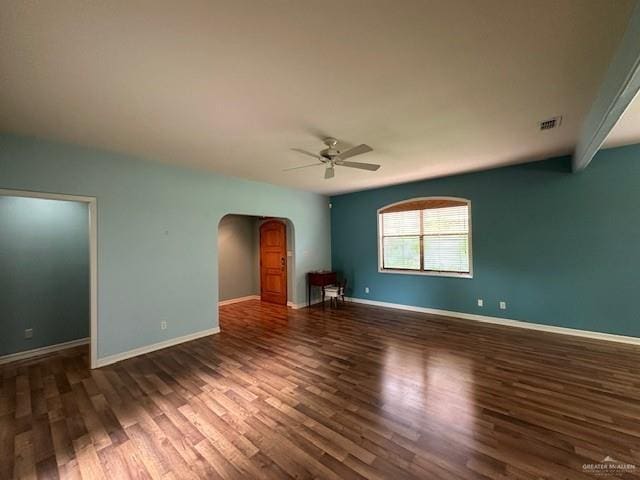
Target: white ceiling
(435, 87)
(627, 130)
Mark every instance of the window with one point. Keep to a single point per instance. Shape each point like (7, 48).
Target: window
(426, 235)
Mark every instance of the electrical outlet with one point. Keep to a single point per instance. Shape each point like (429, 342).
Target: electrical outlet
(480, 302)
(503, 305)
(163, 325)
(366, 289)
(28, 333)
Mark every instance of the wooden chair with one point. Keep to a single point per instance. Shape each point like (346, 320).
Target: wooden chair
(335, 292)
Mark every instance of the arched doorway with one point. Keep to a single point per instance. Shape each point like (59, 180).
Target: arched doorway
(238, 252)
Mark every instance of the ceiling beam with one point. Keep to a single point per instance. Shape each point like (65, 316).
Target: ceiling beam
(620, 85)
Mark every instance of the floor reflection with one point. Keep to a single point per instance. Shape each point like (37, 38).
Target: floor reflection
(429, 387)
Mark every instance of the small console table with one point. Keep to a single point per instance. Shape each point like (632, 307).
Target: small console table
(319, 279)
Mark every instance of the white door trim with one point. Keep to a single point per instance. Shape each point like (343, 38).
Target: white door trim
(93, 253)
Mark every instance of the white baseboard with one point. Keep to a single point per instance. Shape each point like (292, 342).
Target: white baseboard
(256, 297)
(37, 352)
(505, 321)
(290, 304)
(156, 346)
(297, 306)
(238, 300)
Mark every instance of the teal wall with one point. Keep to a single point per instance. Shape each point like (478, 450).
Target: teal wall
(157, 233)
(44, 272)
(560, 248)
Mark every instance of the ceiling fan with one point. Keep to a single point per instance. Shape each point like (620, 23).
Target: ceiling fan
(332, 157)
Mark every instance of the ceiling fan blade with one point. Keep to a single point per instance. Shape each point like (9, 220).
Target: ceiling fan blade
(303, 166)
(329, 172)
(372, 167)
(352, 152)
(304, 152)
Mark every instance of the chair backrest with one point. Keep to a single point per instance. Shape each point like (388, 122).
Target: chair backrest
(343, 286)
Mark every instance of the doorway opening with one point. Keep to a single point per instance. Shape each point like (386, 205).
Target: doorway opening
(48, 274)
(255, 259)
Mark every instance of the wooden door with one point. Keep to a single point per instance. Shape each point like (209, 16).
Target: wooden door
(273, 262)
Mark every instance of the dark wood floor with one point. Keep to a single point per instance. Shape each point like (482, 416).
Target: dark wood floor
(359, 392)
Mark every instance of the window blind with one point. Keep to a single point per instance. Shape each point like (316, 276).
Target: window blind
(446, 239)
(401, 223)
(433, 237)
(401, 243)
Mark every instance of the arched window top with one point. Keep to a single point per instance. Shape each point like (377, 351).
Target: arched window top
(429, 236)
(424, 203)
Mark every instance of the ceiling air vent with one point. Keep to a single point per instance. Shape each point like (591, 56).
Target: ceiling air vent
(550, 123)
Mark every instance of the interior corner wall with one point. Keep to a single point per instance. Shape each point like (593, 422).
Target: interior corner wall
(157, 233)
(44, 272)
(238, 257)
(560, 248)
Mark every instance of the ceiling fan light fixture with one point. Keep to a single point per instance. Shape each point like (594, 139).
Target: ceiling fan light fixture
(329, 172)
(333, 157)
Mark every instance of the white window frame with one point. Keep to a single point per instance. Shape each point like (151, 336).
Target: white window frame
(431, 273)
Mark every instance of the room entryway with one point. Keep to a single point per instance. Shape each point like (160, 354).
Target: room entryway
(255, 259)
(48, 271)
